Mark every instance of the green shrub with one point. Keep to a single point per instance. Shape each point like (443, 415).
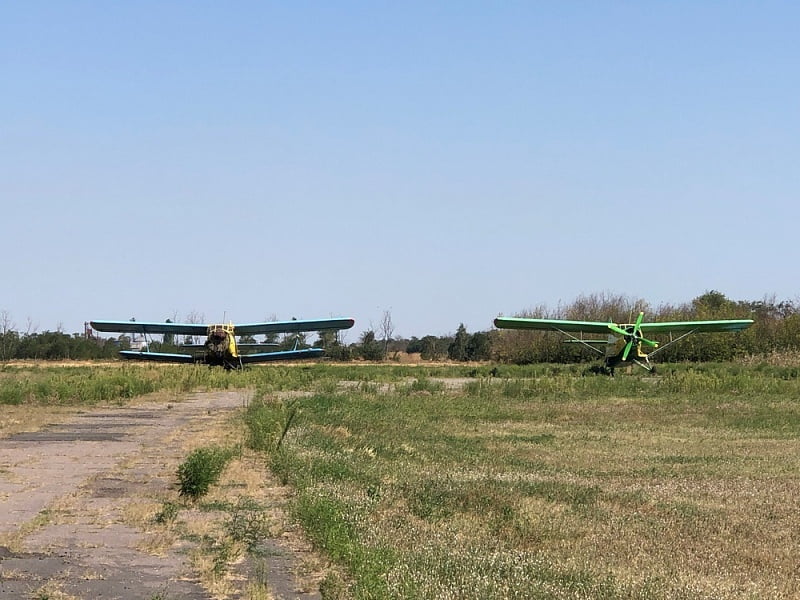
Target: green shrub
(201, 469)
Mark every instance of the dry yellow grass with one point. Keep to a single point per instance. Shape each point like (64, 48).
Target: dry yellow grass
(18, 419)
(52, 590)
(675, 503)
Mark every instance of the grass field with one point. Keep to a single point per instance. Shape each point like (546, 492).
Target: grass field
(547, 485)
(445, 482)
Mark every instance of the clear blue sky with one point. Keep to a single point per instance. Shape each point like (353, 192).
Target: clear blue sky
(446, 161)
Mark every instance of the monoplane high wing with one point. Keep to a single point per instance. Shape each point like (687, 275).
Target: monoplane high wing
(603, 327)
(698, 326)
(551, 325)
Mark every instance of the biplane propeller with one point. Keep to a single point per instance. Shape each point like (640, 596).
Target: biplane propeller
(220, 347)
(632, 335)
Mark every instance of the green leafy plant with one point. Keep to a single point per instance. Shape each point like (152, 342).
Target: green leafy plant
(201, 469)
(248, 523)
(167, 514)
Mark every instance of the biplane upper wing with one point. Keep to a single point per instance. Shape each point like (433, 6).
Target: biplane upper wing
(150, 327)
(294, 326)
(698, 326)
(551, 325)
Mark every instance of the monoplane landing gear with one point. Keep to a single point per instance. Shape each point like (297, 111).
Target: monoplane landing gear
(599, 370)
(647, 366)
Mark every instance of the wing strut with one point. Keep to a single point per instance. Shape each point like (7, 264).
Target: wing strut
(579, 340)
(670, 342)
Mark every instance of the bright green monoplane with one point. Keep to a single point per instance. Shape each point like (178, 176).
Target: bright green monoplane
(623, 344)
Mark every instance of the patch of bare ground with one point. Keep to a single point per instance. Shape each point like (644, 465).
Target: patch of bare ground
(83, 498)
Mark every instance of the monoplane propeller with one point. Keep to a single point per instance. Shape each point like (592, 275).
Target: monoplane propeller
(633, 337)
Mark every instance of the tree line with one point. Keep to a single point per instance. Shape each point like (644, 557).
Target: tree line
(54, 345)
(776, 329)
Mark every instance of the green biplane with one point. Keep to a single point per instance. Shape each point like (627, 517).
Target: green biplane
(623, 344)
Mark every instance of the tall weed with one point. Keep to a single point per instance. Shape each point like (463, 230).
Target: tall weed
(201, 469)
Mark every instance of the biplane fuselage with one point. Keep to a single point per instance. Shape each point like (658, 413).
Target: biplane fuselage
(220, 346)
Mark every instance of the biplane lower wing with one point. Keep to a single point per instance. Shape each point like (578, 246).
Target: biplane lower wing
(280, 355)
(157, 356)
(245, 359)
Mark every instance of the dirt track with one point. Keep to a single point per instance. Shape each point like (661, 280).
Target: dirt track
(63, 496)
